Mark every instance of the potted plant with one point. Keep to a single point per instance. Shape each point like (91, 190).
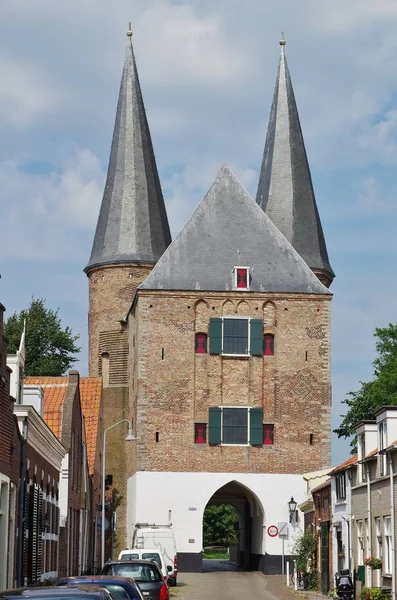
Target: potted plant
(373, 562)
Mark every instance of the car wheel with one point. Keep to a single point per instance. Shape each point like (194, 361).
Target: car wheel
(172, 581)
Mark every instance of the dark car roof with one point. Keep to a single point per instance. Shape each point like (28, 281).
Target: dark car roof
(56, 592)
(99, 578)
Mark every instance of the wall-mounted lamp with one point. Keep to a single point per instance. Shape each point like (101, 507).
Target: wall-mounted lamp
(293, 513)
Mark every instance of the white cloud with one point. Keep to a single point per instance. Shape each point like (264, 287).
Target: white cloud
(24, 94)
(41, 216)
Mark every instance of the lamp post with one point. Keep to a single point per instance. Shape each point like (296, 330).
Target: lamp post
(129, 438)
(292, 509)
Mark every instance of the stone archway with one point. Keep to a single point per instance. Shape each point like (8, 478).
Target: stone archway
(251, 520)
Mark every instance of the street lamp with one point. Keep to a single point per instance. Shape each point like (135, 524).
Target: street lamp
(129, 438)
(292, 508)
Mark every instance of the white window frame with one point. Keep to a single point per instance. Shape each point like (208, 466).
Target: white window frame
(249, 335)
(382, 444)
(235, 278)
(360, 543)
(388, 545)
(362, 473)
(340, 489)
(248, 409)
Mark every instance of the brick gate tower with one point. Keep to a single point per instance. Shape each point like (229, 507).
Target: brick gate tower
(131, 234)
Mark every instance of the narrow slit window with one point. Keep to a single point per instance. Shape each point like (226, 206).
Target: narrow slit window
(201, 343)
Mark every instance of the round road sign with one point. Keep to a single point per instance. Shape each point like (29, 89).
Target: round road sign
(272, 530)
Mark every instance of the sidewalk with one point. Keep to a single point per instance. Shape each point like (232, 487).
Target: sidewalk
(277, 590)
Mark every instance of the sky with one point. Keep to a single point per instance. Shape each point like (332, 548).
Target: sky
(207, 71)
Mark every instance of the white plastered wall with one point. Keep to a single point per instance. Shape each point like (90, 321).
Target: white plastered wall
(153, 497)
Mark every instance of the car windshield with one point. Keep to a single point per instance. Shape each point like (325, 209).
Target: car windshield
(140, 573)
(152, 556)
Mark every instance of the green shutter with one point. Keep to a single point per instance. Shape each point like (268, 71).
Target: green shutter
(256, 427)
(215, 336)
(214, 427)
(256, 339)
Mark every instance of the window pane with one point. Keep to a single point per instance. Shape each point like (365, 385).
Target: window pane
(235, 426)
(235, 336)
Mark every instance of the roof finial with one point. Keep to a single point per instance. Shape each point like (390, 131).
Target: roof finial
(129, 32)
(282, 41)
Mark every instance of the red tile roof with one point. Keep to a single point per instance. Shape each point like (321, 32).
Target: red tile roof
(90, 397)
(350, 461)
(54, 396)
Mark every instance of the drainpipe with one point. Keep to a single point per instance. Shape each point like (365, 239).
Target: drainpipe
(369, 522)
(21, 506)
(392, 519)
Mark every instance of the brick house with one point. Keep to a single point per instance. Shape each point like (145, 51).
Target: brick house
(217, 346)
(39, 550)
(72, 409)
(323, 521)
(10, 442)
(374, 493)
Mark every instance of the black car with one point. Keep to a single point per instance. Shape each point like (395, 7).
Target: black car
(146, 573)
(121, 588)
(56, 593)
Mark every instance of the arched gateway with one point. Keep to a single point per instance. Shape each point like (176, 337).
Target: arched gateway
(251, 523)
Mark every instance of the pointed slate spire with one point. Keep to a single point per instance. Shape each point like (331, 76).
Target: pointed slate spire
(285, 190)
(132, 224)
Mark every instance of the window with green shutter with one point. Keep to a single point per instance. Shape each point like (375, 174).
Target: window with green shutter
(240, 336)
(256, 427)
(215, 332)
(214, 426)
(256, 337)
(235, 426)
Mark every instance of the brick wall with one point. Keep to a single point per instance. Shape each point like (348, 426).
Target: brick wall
(111, 291)
(71, 438)
(172, 387)
(10, 439)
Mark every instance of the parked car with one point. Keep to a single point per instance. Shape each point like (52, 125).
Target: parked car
(56, 593)
(147, 554)
(146, 573)
(162, 538)
(121, 588)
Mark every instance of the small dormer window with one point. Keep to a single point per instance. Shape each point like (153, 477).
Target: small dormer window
(242, 278)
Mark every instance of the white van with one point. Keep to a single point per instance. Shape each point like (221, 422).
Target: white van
(146, 554)
(147, 535)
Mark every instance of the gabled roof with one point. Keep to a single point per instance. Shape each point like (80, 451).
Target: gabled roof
(285, 189)
(90, 396)
(322, 486)
(348, 463)
(229, 229)
(132, 224)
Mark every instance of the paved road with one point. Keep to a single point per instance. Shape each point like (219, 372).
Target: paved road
(231, 584)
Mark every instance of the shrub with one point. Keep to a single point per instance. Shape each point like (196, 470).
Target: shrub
(373, 593)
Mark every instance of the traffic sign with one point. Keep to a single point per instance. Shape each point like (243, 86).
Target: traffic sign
(272, 530)
(283, 530)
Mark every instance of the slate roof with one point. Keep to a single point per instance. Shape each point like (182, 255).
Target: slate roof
(132, 224)
(285, 189)
(229, 229)
(90, 396)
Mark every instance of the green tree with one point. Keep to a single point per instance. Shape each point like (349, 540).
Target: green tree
(219, 525)
(304, 549)
(363, 403)
(49, 348)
